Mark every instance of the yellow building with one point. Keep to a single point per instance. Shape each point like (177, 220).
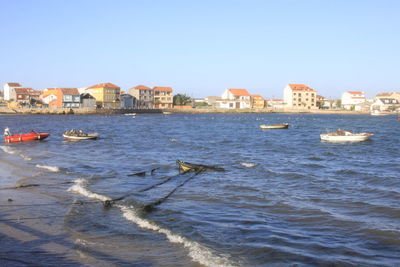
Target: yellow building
(258, 101)
(106, 95)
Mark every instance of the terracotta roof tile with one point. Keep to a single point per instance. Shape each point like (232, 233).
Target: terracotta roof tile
(355, 92)
(301, 87)
(69, 91)
(239, 92)
(141, 87)
(101, 85)
(14, 84)
(159, 88)
(22, 91)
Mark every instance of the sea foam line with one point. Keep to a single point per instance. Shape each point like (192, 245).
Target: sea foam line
(50, 168)
(197, 252)
(8, 150)
(11, 151)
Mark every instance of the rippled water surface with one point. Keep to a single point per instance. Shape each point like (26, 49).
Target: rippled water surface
(285, 198)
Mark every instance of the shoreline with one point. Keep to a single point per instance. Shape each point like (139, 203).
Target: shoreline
(83, 111)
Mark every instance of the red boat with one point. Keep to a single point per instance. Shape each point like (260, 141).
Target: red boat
(25, 137)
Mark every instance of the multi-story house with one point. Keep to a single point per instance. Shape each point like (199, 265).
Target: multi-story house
(127, 101)
(163, 97)
(21, 95)
(352, 98)
(62, 97)
(26, 95)
(235, 99)
(106, 94)
(382, 104)
(144, 96)
(257, 101)
(395, 95)
(9, 91)
(300, 96)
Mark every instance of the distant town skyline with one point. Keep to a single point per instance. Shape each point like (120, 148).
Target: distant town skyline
(202, 48)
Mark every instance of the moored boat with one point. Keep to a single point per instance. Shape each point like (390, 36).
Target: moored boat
(274, 126)
(186, 167)
(345, 136)
(79, 135)
(32, 136)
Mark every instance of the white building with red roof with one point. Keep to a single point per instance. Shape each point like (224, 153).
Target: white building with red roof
(9, 91)
(300, 96)
(235, 99)
(352, 98)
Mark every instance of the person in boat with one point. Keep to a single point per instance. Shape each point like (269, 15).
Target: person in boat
(7, 132)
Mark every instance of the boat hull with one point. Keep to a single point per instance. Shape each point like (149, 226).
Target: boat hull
(186, 167)
(346, 138)
(91, 136)
(274, 126)
(25, 137)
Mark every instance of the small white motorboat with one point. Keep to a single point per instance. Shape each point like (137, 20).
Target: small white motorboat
(79, 135)
(345, 136)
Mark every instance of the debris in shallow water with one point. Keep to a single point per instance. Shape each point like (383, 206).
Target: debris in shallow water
(138, 174)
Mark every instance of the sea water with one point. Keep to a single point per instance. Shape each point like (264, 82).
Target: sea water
(285, 198)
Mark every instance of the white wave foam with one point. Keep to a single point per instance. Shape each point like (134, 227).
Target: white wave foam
(25, 157)
(79, 187)
(248, 164)
(50, 168)
(8, 150)
(197, 252)
(12, 151)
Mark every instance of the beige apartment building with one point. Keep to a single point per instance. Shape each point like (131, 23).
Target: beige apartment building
(299, 96)
(163, 97)
(144, 96)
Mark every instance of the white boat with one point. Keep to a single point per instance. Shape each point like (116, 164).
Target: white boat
(274, 126)
(79, 135)
(167, 112)
(345, 136)
(378, 113)
(130, 114)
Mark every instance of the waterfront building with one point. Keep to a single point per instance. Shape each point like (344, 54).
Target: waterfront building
(275, 104)
(352, 98)
(106, 94)
(385, 105)
(9, 91)
(127, 101)
(235, 99)
(143, 96)
(62, 97)
(395, 95)
(26, 95)
(257, 101)
(299, 96)
(212, 100)
(88, 101)
(163, 97)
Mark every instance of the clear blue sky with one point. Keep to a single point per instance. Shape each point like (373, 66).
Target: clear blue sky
(203, 47)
